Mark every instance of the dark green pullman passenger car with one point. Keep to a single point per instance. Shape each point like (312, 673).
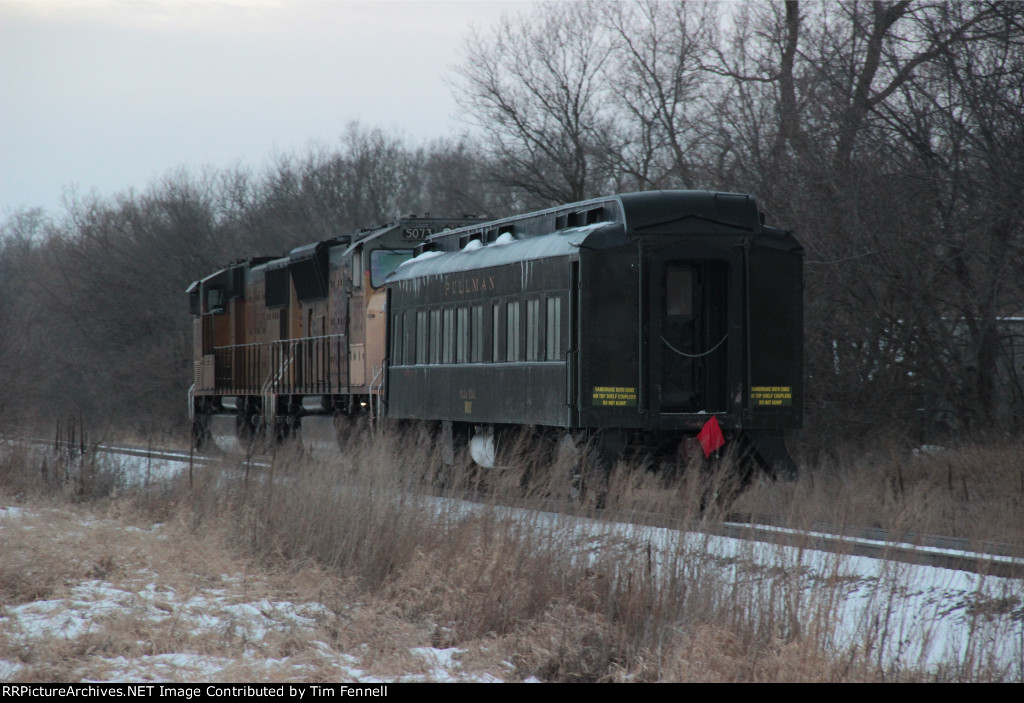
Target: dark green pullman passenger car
(630, 321)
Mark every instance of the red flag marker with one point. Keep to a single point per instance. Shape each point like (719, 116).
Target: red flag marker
(710, 436)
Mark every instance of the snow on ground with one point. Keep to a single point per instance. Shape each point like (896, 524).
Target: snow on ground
(903, 615)
(926, 617)
(931, 618)
(219, 613)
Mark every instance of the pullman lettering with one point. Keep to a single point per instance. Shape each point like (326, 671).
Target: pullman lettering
(469, 285)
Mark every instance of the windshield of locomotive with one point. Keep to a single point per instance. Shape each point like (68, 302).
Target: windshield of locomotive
(384, 261)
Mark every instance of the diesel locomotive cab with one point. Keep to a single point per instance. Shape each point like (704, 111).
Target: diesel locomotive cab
(286, 345)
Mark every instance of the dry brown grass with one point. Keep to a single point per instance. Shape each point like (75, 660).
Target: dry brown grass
(399, 569)
(976, 492)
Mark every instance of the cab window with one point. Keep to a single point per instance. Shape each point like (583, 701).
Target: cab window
(384, 261)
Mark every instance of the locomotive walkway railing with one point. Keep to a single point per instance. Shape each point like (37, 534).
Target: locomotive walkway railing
(299, 366)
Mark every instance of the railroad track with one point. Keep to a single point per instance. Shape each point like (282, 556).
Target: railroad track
(122, 450)
(957, 553)
(962, 554)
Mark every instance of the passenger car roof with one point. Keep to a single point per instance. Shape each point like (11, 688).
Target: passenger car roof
(560, 243)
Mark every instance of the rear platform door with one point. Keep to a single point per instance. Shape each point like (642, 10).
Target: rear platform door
(689, 333)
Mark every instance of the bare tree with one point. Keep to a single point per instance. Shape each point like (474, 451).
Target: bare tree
(961, 122)
(24, 338)
(663, 135)
(452, 177)
(837, 121)
(536, 87)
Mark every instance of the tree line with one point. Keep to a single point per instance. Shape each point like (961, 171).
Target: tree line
(887, 135)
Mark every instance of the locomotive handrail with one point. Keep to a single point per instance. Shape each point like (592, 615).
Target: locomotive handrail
(239, 346)
(318, 362)
(273, 381)
(278, 341)
(269, 399)
(311, 357)
(378, 373)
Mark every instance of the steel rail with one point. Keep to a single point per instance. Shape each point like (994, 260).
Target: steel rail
(958, 553)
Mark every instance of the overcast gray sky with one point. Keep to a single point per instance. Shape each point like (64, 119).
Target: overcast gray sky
(111, 95)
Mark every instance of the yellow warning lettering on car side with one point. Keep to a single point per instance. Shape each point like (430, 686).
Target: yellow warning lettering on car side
(767, 396)
(614, 396)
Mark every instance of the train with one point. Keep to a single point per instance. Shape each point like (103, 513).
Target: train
(657, 323)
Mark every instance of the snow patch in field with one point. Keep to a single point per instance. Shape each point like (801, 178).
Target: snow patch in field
(8, 669)
(927, 617)
(217, 613)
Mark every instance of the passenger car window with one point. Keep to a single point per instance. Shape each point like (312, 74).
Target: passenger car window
(679, 292)
(554, 329)
(512, 332)
(533, 330)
